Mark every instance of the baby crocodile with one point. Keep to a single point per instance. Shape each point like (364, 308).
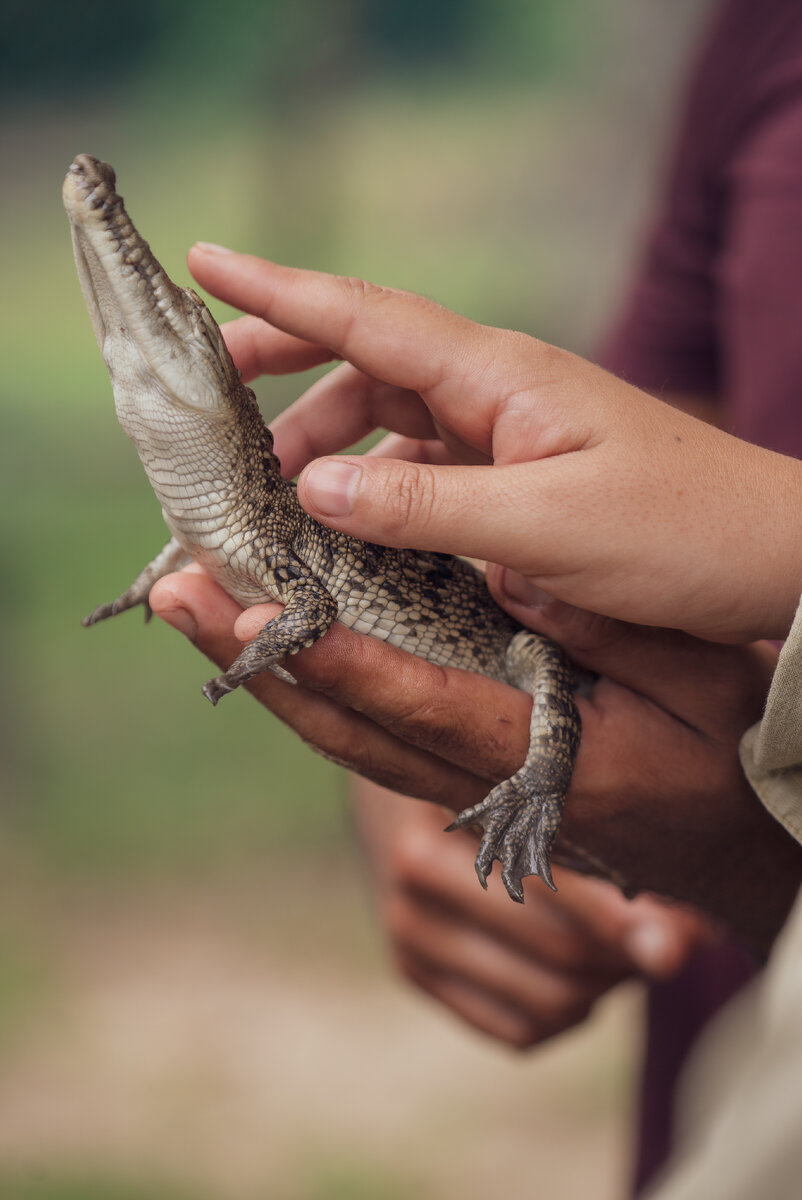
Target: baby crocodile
(209, 457)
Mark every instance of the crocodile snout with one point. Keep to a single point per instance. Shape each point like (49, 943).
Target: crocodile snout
(93, 170)
(88, 179)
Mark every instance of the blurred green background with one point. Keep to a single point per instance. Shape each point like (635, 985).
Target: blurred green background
(178, 890)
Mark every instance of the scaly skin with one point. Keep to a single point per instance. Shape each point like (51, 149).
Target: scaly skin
(209, 457)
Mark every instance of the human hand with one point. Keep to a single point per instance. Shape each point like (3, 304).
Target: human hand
(658, 796)
(598, 494)
(519, 975)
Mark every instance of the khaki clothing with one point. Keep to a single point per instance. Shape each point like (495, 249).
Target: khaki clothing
(771, 752)
(740, 1102)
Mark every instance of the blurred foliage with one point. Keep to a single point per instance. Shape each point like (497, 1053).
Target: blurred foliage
(25, 978)
(53, 1185)
(327, 1181)
(280, 50)
(358, 1180)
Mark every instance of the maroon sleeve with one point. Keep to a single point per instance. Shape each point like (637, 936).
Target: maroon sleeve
(761, 282)
(716, 306)
(715, 310)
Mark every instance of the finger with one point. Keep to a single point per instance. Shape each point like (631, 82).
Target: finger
(655, 937)
(346, 405)
(666, 666)
(470, 510)
(473, 721)
(395, 445)
(345, 737)
(340, 409)
(197, 607)
(473, 1005)
(542, 929)
(406, 340)
(259, 349)
(551, 997)
(587, 928)
(476, 511)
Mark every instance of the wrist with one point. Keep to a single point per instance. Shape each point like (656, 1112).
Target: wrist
(760, 545)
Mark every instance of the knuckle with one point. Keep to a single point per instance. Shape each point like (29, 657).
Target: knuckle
(362, 289)
(573, 1011)
(524, 1038)
(562, 1007)
(579, 1011)
(545, 360)
(356, 293)
(517, 343)
(589, 632)
(410, 968)
(410, 497)
(424, 713)
(400, 922)
(411, 857)
(343, 743)
(571, 954)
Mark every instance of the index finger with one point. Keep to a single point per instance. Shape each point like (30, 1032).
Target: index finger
(259, 349)
(406, 340)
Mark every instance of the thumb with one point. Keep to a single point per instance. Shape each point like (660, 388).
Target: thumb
(476, 511)
(196, 606)
(660, 937)
(654, 935)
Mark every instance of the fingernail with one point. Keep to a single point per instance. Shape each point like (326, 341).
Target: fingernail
(212, 248)
(182, 620)
(331, 486)
(518, 588)
(649, 947)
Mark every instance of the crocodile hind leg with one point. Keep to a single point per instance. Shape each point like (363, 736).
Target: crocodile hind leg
(309, 613)
(171, 558)
(520, 817)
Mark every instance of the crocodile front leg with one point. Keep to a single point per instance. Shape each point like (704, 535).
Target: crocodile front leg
(309, 613)
(171, 558)
(521, 816)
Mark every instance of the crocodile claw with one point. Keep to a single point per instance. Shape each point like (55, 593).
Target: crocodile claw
(518, 831)
(216, 688)
(101, 613)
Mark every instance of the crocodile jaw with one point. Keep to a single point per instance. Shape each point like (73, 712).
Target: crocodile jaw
(159, 342)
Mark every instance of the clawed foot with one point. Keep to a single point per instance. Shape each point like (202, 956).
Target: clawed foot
(104, 611)
(223, 684)
(100, 613)
(215, 688)
(519, 829)
(121, 604)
